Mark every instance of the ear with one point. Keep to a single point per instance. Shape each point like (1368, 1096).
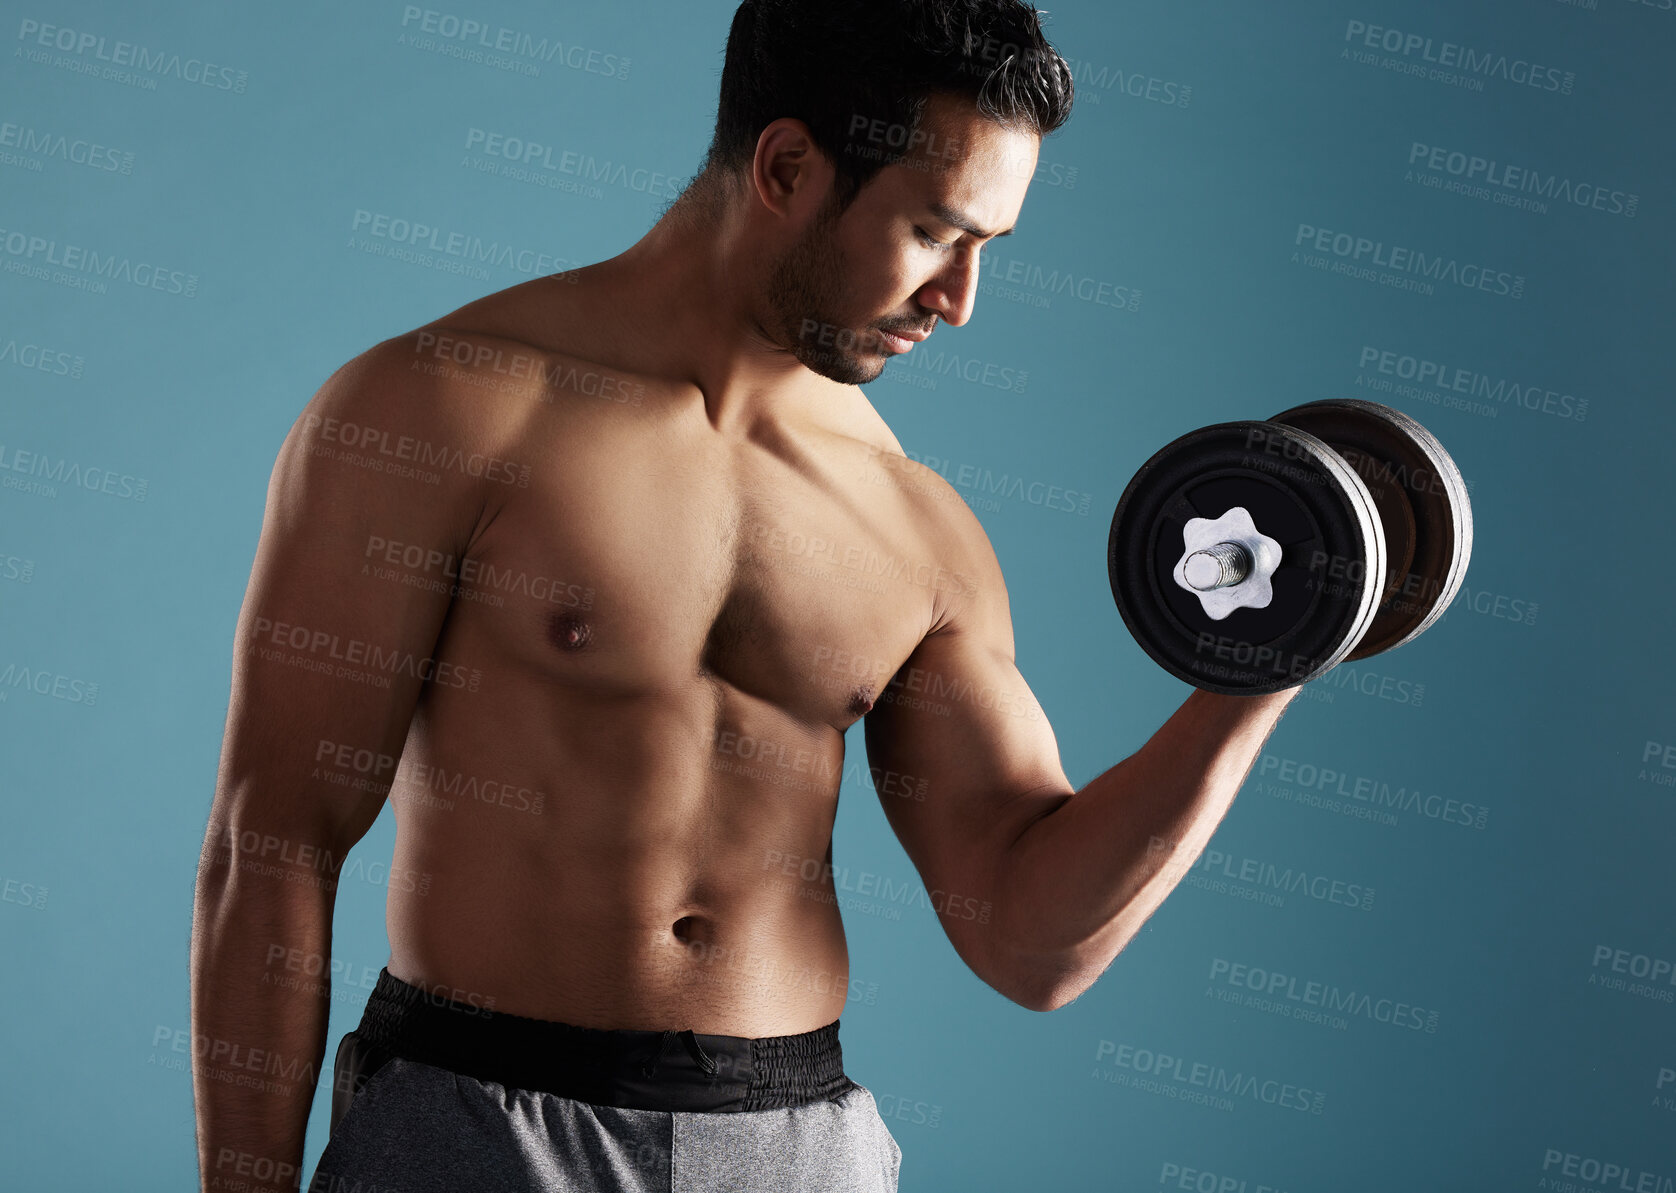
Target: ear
(789, 172)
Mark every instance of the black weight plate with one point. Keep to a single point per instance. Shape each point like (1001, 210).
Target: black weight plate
(1402, 464)
(1298, 492)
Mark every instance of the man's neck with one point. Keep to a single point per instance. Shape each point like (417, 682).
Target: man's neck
(683, 297)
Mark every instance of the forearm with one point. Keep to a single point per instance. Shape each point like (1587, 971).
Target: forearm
(258, 1028)
(1079, 883)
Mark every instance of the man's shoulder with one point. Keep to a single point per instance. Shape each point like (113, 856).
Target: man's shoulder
(935, 501)
(942, 520)
(547, 315)
(554, 338)
(497, 358)
(424, 403)
(395, 385)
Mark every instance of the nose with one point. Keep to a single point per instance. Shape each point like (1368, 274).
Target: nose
(954, 291)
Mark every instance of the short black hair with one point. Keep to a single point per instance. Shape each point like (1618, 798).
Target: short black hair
(859, 73)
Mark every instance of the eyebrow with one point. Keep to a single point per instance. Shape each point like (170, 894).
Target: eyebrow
(956, 219)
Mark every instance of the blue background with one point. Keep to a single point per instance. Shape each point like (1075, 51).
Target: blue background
(1539, 697)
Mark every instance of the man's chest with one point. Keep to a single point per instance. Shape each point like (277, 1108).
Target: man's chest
(642, 567)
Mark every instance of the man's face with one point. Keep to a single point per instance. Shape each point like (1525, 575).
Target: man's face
(898, 259)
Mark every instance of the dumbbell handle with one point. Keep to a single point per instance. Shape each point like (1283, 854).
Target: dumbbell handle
(1217, 566)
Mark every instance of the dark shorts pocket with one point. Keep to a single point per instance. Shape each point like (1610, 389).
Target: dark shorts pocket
(358, 1080)
(356, 1064)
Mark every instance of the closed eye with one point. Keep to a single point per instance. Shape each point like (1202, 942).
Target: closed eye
(930, 242)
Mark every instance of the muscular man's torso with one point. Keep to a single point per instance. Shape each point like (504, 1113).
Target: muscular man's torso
(672, 626)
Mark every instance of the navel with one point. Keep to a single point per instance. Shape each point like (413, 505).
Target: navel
(693, 930)
(569, 631)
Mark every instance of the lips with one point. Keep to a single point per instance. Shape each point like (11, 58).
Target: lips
(901, 341)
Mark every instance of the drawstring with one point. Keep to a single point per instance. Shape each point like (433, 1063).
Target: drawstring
(703, 1058)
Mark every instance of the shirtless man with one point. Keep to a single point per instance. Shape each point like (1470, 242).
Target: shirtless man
(538, 570)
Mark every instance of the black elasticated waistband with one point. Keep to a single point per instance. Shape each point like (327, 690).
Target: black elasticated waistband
(649, 1070)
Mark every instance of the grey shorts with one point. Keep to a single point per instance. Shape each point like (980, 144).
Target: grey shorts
(433, 1096)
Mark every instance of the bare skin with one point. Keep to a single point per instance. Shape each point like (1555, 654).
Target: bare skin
(616, 645)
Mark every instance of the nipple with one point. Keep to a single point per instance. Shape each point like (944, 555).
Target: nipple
(569, 631)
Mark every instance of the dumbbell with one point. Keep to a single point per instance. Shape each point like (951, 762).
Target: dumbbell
(1247, 557)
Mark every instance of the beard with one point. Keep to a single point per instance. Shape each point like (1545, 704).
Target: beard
(805, 289)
